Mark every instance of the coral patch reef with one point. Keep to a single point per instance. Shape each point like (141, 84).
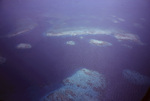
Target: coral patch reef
(70, 43)
(23, 46)
(84, 85)
(99, 42)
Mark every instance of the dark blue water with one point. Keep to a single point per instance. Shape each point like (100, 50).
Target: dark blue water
(29, 74)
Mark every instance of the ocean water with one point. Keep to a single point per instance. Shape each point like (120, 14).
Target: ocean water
(44, 42)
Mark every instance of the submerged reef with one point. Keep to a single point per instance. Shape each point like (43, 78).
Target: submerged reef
(19, 32)
(23, 46)
(2, 60)
(81, 37)
(22, 26)
(79, 31)
(81, 86)
(135, 77)
(99, 42)
(117, 20)
(127, 46)
(70, 43)
(127, 36)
